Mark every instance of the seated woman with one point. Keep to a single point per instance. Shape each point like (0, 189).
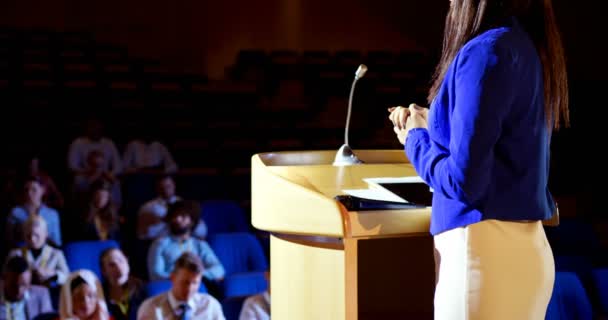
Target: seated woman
(47, 263)
(100, 219)
(124, 291)
(82, 298)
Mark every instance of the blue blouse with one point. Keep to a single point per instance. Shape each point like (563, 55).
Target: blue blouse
(486, 150)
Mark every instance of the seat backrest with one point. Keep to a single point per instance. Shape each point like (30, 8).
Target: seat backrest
(232, 307)
(600, 282)
(569, 299)
(238, 252)
(85, 254)
(223, 216)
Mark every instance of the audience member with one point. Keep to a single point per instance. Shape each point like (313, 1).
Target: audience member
(32, 205)
(93, 139)
(82, 298)
(95, 171)
(181, 217)
(124, 291)
(257, 307)
(100, 220)
(52, 196)
(19, 299)
(150, 223)
(48, 264)
(183, 301)
(147, 153)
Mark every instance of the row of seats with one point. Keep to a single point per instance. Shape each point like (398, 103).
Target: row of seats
(240, 253)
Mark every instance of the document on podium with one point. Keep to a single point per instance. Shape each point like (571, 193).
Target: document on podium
(393, 192)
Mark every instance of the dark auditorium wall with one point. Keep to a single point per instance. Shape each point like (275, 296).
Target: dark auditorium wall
(204, 36)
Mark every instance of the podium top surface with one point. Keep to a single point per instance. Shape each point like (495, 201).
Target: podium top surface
(293, 192)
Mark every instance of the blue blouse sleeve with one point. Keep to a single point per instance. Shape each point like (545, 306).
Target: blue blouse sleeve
(482, 97)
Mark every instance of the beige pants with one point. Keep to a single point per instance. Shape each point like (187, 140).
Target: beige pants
(493, 270)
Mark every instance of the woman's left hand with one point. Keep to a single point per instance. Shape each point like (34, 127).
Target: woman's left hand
(417, 119)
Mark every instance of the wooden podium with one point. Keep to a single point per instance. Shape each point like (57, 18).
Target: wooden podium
(331, 263)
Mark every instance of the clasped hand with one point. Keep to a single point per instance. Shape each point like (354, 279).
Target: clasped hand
(405, 119)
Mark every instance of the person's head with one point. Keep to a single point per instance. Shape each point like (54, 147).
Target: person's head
(95, 159)
(186, 276)
(33, 189)
(82, 297)
(35, 231)
(165, 186)
(182, 216)
(101, 196)
(114, 266)
(469, 18)
(94, 129)
(17, 278)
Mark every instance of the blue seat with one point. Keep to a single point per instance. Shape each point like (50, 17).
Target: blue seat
(85, 254)
(245, 284)
(569, 300)
(155, 287)
(600, 283)
(243, 259)
(232, 307)
(223, 216)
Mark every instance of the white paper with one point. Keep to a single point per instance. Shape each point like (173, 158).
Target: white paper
(375, 194)
(378, 180)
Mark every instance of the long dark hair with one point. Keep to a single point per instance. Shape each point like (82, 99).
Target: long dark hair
(107, 214)
(469, 18)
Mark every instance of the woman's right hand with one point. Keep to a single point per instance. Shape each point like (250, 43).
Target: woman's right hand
(399, 114)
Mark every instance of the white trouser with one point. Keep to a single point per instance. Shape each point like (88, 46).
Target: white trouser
(494, 270)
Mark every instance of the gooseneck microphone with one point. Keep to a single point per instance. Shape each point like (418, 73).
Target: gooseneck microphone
(345, 155)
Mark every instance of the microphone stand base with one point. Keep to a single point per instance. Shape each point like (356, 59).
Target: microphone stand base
(346, 157)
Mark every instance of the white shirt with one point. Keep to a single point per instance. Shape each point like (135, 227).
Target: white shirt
(157, 208)
(165, 307)
(139, 155)
(80, 148)
(256, 307)
(12, 310)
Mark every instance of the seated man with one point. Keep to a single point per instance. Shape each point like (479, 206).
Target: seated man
(183, 301)
(48, 264)
(150, 224)
(19, 299)
(163, 252)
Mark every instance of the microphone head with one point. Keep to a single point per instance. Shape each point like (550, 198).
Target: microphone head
(361, 71)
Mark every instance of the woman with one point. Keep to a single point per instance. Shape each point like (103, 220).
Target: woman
(100, 221)
(48, 264)
(82, 298)
(500, 88)
(32, 205)
(125, 292)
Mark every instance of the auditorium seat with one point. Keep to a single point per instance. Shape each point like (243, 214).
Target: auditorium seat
(243, 259)
(85, 254)
(569, 300)
(225, 216)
